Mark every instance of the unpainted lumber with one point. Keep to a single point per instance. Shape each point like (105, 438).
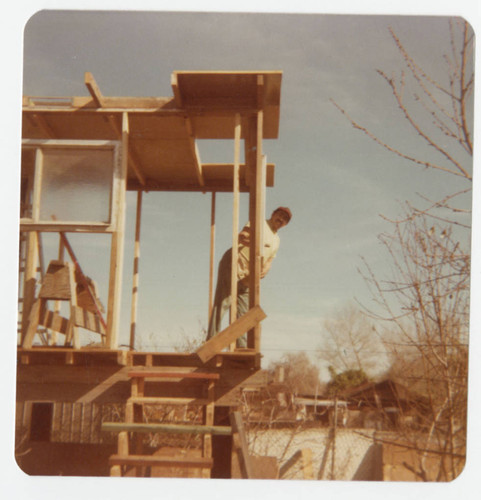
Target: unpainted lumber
(143, 374)
(117, 241)
(230, 334)
(88, 320)
(162, 400)
(155, 460)
(240, 444)
(235, 222)
(135, 277)
(211, 255)
(219, 430)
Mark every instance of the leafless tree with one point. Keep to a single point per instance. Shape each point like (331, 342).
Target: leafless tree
(441, 115)
(350, 342)
(425, 300)
(301, 375)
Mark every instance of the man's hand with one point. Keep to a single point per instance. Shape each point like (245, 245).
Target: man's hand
(266, 266)
(245, 237)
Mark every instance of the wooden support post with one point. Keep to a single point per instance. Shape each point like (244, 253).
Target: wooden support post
(30, 276)
(57, 303)
(117, 243)
(135, 278)
(235, 222)
(212, 254)
(256, 217)
(239, 445)
(30, 281)
(208, 420)
(33, 322)
(307, 463)
(72, 335)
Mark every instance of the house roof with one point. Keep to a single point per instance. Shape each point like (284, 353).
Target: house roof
(388, 389)
(163, 131)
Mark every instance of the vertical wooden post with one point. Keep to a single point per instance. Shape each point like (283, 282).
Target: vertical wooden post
(235, 222)
(212, 255)
(209, 421)
(117, 242)
(135, 277)
(256, 219)
(30, 280)
(72, 335)
(31, 263)
(57, 303)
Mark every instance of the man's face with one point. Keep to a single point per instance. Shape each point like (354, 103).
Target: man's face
(279, 219)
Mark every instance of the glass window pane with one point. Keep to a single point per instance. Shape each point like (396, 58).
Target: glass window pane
(76, 185)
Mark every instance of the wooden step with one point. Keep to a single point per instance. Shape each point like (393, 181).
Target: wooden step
(159, 461)
(220, 430)
(168, 400)
(164, 374)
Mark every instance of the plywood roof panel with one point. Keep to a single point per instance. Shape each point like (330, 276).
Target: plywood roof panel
(162, 131)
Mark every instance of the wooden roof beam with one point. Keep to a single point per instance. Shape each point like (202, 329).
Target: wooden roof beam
(188, 125)
(40, 122)
(260, 92)
(94, 90)
(100, 101)
(195, 152)
(174, 83)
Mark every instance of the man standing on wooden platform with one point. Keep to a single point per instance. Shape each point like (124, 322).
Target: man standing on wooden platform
(279, 218)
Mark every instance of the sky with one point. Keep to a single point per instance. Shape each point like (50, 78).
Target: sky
(334, 179)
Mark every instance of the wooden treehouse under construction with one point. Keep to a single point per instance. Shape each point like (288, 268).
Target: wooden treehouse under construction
(84, 410)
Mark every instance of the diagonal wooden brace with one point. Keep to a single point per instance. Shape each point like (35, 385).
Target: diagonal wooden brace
(245, 323)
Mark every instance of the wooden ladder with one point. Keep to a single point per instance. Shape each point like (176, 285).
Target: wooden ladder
(130, 456)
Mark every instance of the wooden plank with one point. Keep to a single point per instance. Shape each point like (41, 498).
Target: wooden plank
(290, 463)
(235, 222)
(68, 227)
(264, 467)
(33, 321)
(230, 334)
(117, 243)
(155, 460)
(243, 449)
(40, 122)
(30, 280)
(174, 82)
(211, 255)
(208, 420)
(70, 143)
(94, 90)
(218, 430)
(257, 228)
(54, 321)
(123, 443)
(32, 257)
(180, 375)
(307, 463)
(88, 320)
(72, 330)
(167, 400)
(135, 277)
(305, 456)
(100, 387)
(195, 152)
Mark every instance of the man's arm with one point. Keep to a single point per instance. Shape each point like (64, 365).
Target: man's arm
(266, 266)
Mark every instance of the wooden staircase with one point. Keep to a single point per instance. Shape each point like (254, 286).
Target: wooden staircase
(130, 458)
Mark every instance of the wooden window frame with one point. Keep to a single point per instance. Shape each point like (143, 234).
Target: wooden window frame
(34, 224)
